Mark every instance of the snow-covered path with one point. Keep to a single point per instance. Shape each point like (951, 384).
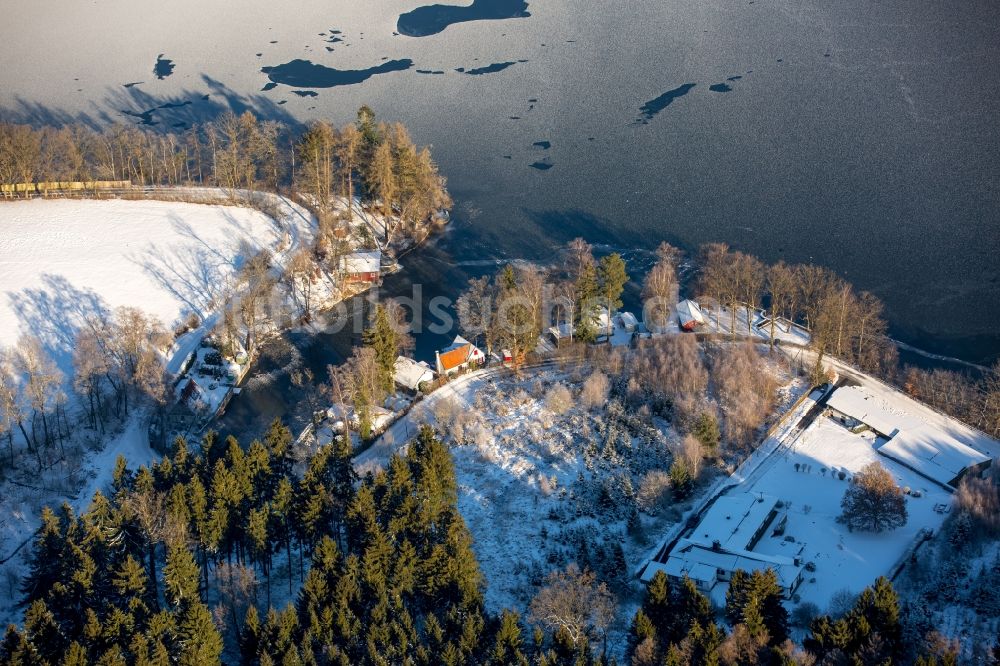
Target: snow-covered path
(395, 438)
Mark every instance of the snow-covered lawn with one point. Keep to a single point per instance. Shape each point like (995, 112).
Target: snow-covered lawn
(843, 559)
(720, 320)
(62, 260)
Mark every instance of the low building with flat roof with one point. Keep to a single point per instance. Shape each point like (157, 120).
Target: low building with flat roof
(723, 541)
(928, 449)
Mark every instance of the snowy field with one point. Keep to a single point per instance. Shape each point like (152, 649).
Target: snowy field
(64, 260)
(540, 488)
(844, 560)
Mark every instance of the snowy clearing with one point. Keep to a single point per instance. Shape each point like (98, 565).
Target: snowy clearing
(63, 260)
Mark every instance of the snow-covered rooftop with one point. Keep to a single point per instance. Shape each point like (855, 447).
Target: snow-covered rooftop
(703, 564)
(932, 452)
(734, 520)
(864, 406)
(689, 312)
(628, 320)
(411, 374)
(561, 331)
(362, 262)
(724, 540)
(930, 449)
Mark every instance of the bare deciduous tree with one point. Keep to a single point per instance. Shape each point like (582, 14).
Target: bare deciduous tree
(300, 274)
(746, 390)
(595, 390)
(574, 602)
(874, 502)
(558, 399)
(654, 491)
(660, 287)
(670, 370)
(781, 291)
(11, 413)
(42, 382)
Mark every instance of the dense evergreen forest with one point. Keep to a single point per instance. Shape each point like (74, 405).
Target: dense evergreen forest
(375, 571)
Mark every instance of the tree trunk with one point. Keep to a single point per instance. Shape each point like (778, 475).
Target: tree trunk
(152, 574)
(288, 550)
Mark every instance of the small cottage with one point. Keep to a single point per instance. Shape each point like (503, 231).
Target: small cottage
(460, 354)
(411, 374)
(363, 267)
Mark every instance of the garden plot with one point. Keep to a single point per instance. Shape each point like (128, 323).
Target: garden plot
(806, 476)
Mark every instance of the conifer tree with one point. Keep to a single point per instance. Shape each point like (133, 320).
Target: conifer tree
(45, 562)
(659, 608)
(758, 593)
(41, 628)
(259, 536)
(382, 337)
(586, 294)
(282, 507)
(612, 277)
(706, 430)
(199, 641)
(278, 441)
(180, 577)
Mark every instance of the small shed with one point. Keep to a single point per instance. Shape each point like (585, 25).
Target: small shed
(561, 332)
(193, 395)
(689, 315)
(628, 321)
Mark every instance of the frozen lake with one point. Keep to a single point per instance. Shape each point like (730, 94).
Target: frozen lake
(858, 135)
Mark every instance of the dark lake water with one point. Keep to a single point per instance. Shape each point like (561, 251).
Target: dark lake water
(858, 135)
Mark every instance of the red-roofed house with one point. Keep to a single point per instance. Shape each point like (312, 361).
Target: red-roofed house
(460, 354)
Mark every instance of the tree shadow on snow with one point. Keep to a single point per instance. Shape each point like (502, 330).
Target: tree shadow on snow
(55, 312)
